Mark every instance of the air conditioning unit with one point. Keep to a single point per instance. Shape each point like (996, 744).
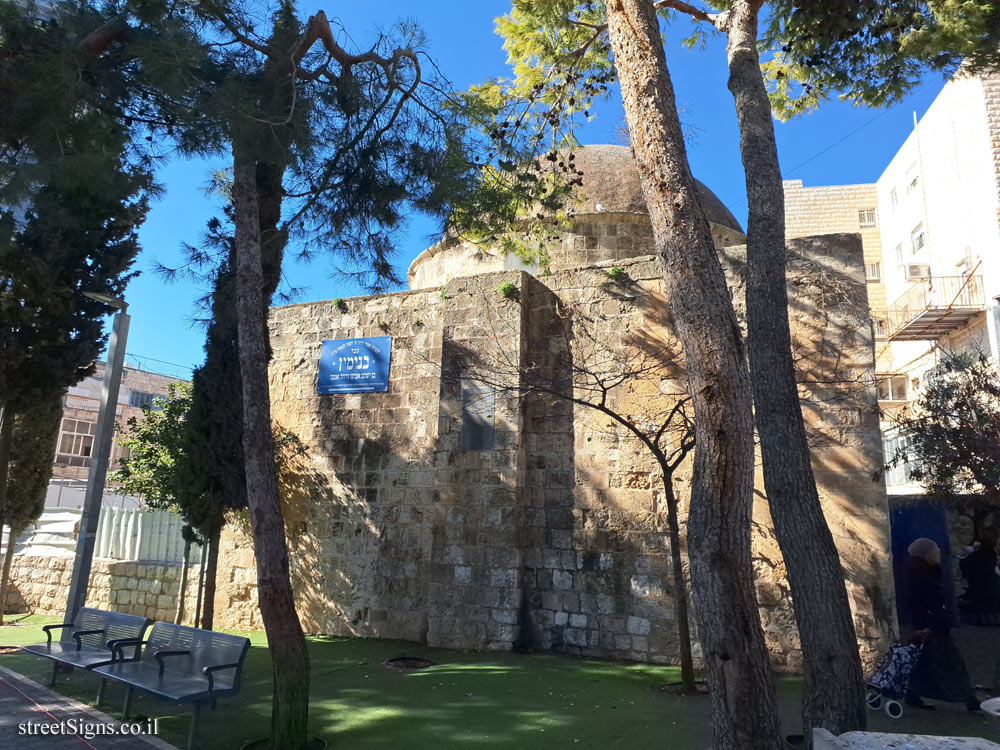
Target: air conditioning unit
(916, 271)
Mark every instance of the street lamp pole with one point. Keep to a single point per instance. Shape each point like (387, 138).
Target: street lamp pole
(100, 456)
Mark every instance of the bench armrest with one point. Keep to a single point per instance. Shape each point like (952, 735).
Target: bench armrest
(160, 655)
(49, 628)
(78, 633)
(117, 643)
(116, 648)
(207, 671)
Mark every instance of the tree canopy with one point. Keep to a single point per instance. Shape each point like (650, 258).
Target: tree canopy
(952, 438)
(872, 52)
(71, 199)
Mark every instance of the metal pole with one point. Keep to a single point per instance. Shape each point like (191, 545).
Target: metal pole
(201, 583)
(101, 453)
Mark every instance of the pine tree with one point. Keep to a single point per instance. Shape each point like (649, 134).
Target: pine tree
(32, 454)
(330, 148)
(564, 54)
(71, 200)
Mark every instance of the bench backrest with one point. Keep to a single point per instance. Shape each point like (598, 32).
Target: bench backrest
(113, 626)
(208, 648)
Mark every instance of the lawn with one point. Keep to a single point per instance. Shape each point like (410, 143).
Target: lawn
(470, 699)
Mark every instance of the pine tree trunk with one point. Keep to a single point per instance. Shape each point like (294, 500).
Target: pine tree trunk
(680, 586)
(211, 571)
(6, 435)
(8, 560)
(185, 564)
(290, 660)
(834, 688)
(744, 715)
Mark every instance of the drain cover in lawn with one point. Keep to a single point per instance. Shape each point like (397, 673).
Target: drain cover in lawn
(409, 662)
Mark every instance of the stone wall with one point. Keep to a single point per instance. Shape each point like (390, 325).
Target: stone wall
(830, 209)
(556, 537)
(591, 238)
(40, 585)
(991, 94)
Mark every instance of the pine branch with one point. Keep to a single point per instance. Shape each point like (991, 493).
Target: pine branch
(696, 13)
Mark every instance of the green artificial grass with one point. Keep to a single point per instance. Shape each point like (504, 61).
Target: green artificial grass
(470, 699)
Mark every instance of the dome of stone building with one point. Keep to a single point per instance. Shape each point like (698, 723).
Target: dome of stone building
(611, 181)
(610, 223)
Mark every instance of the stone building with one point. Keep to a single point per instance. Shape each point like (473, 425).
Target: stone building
(458, 510)
(139, 388)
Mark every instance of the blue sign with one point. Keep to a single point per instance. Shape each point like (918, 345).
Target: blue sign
(354, 366)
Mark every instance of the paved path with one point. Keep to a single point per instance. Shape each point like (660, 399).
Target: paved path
(24, 702)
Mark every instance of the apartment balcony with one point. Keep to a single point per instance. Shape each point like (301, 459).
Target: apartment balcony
(935, 307)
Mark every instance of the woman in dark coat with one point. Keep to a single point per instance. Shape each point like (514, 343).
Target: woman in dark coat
(940, 674)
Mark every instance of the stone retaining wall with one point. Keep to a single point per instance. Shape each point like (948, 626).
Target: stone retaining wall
(40, 585)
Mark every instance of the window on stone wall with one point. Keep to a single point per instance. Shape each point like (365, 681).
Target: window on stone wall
(478, 409)
(892, 388)
(899, 469)
(878, 326)
(868, 218)
(873, 271)
(76, 442)
(893, 198)
(140, 400)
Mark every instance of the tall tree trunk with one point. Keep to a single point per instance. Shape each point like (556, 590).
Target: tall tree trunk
(834, 688)
(8, 560)
(6, 435)
(289, 658)
(182, 592)
(211, 571)
(201, 582)
(744, 715)
(680, 586)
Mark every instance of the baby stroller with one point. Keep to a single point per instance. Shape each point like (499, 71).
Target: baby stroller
(887, 685)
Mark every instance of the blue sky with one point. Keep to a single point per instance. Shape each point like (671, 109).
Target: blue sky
(838, 144)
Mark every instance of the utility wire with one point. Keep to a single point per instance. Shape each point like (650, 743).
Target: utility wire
(141, 359)
(819, 153)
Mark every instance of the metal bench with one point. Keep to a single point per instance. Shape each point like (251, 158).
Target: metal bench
(88, 641)
(181, 665)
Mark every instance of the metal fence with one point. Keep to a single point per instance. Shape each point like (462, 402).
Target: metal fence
(122, 534)
(937, 293)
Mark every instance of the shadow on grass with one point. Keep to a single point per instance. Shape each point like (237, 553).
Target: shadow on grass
(469, 699)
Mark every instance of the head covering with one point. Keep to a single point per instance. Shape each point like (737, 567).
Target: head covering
(921, 547)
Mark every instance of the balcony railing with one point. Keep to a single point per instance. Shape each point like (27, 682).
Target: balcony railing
(935, 307)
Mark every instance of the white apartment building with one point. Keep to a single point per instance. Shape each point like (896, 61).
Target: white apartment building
(939, 212)
(936, 289)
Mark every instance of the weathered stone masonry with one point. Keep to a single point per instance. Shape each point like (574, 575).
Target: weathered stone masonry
(556, 538)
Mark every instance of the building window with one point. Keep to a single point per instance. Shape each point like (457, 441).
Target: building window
(898, 471)
(478, 403)
(141, 400)
(912, 179)
(76, 442)
(917, 239)
(878, 326)
(873, 271)
(892, 388)
(899, 253)
(893, 198)
(868, 218)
